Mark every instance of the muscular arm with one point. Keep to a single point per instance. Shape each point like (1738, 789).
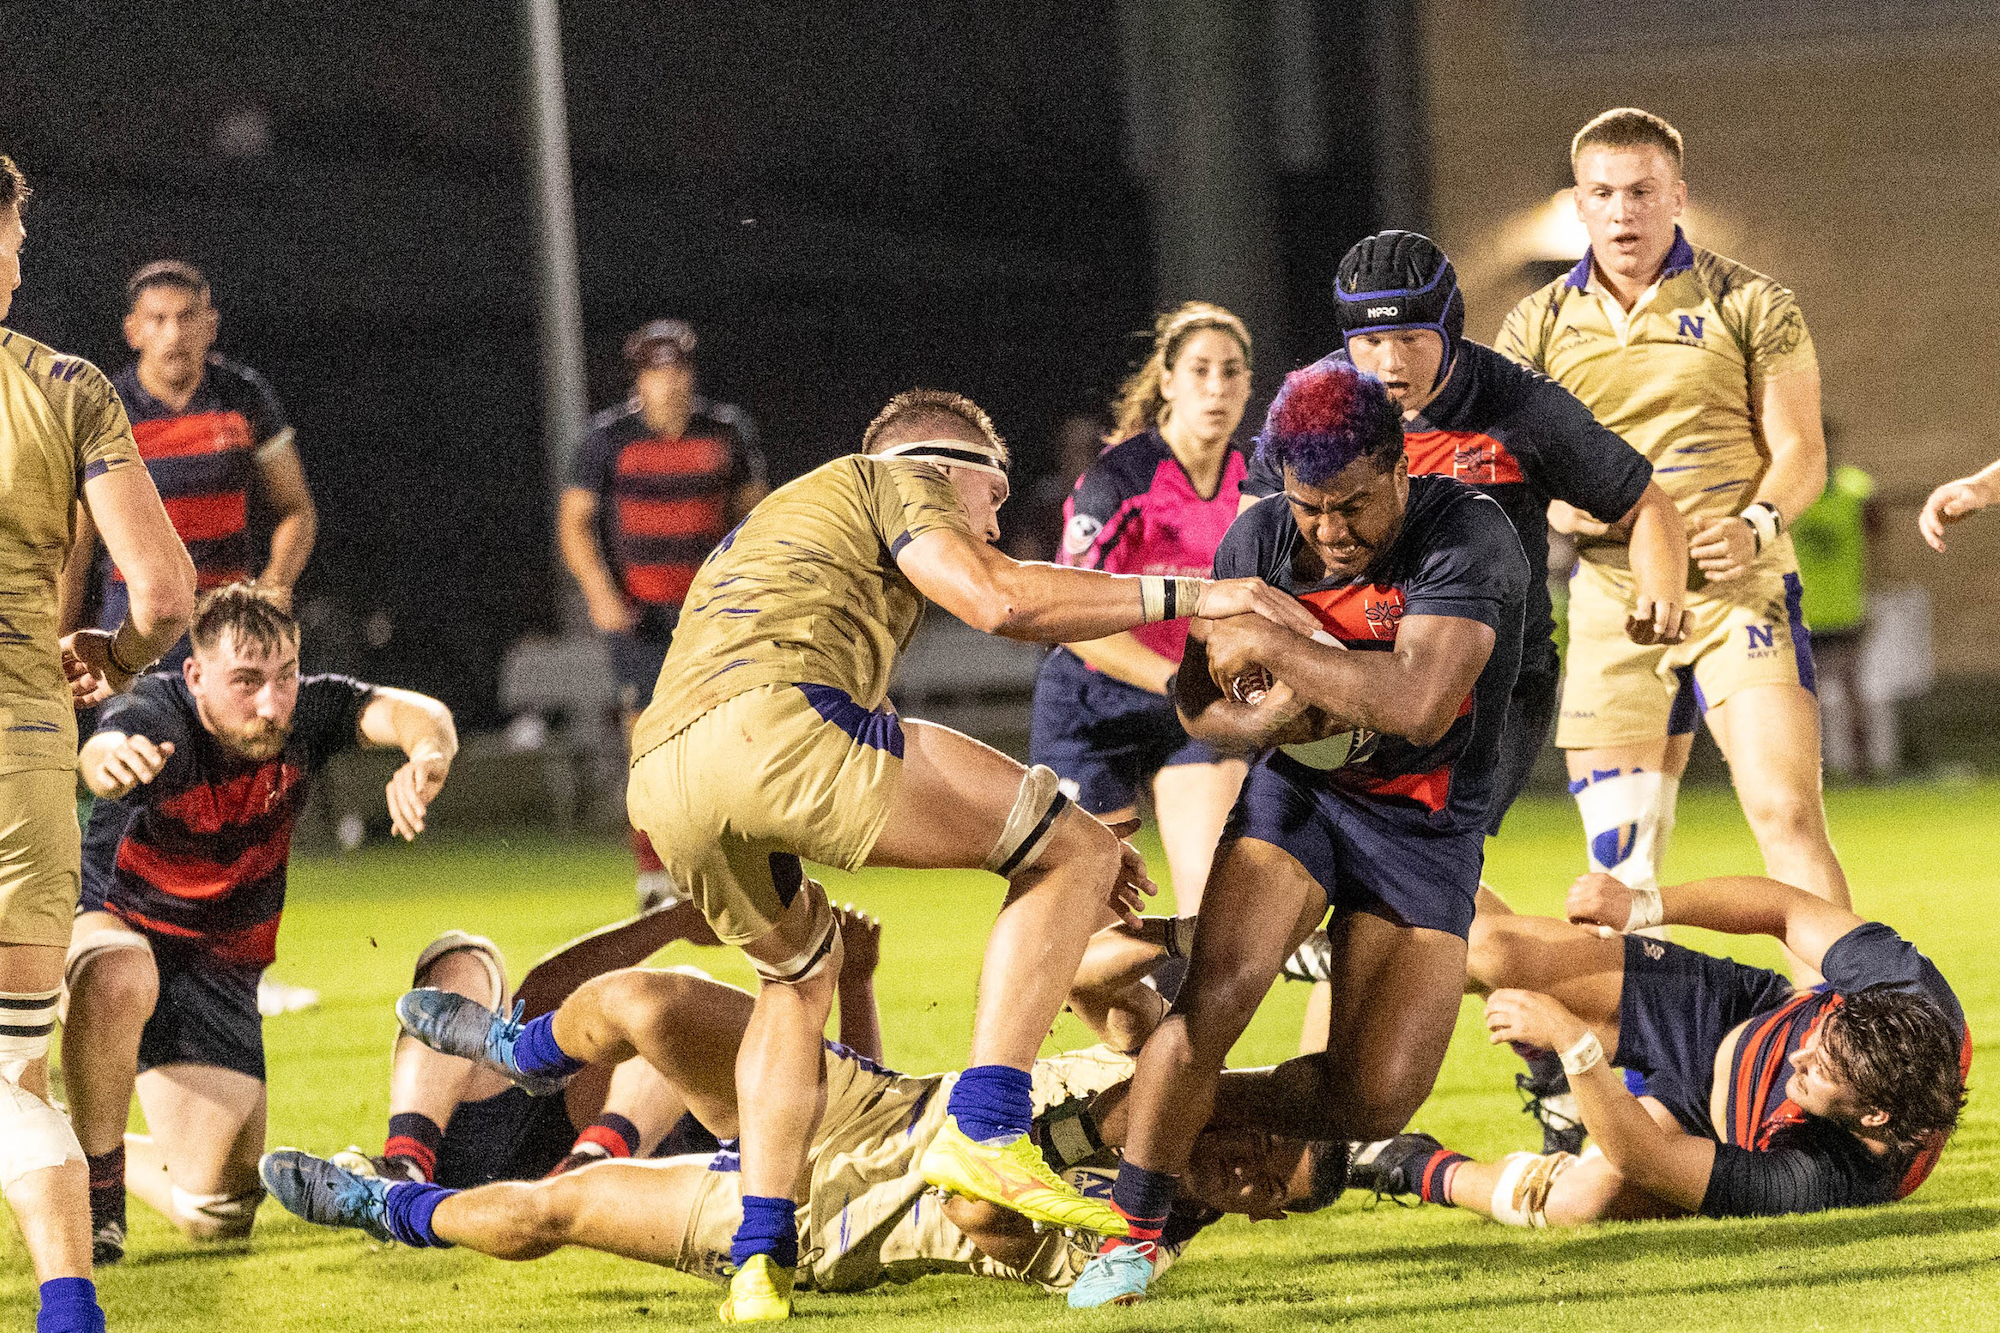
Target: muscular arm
(1110, 994)
(296, 525)
(1123, 658)
(576, 537)
(126, 511)
(1041, 603)
(1730, 904)
(1788, 417)
(1658, 549)
(1212, 717)
(421, 727)
(75, 587)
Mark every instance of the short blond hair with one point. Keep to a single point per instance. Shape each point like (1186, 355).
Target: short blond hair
(1628, 127)
(919, 410)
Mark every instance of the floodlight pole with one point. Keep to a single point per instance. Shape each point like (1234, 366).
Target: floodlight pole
(565, 402)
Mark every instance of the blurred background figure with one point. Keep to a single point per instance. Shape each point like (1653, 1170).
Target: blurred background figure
(1158, 501)
(1035, 521)
(657, 482)
(1831, 539)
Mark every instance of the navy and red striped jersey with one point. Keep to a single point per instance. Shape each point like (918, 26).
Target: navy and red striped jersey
(204, 461)
(1455, 556)
(1774, 1158)
(663, 504)
(199, 854)
(1524, 440)
(1136, 511)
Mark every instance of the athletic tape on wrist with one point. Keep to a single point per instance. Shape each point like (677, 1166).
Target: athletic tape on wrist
(1187, 596)
(1647, 908)
(1583, 1056)
(1765, 522)
(1152, 598)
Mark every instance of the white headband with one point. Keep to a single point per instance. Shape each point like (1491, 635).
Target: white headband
(951, 453)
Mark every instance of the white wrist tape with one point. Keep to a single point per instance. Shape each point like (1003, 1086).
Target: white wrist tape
(1765, 521)
(1647, 908)
(1584, 1056)
(1152, 598)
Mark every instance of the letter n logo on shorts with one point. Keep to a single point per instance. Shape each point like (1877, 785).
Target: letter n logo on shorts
(1760, 635)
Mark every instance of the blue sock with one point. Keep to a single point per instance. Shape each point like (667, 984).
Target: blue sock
(408, 1207)
(992, 1101)
(1146, 1197)
(536, 1052)
(769, 1226)
(69, 1305)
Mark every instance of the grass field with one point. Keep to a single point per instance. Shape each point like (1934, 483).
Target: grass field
(1922, 857)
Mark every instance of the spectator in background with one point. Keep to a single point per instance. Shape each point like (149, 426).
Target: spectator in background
(1036, 530)
(1958, 500)
(210, 431)
(656, 483)
(1831, 540)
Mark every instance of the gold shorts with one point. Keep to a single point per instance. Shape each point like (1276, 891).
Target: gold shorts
(41, 856)
(779, 773)
(1748, 632)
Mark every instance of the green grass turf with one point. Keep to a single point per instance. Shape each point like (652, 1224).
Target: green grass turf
(1921, 857)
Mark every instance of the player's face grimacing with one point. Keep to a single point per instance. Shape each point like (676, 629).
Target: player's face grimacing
(1407, 361)
(246, 693)
(1628, 200)
(173, 329)
(1352, 518)
(1249, 1173)
(982, 494)
(12, 236)
(1816, 1088)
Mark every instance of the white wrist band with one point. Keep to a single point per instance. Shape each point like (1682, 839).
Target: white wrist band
(1152, 598)
(1647, 908)
(1765, 522)
(1583, 1056)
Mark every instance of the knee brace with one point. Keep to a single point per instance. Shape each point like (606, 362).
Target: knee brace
(1521, 1195)
(33, 1134)
(215, 1216)
(1030, 823)
(92, 943)
(1627, 818)
(823, 934)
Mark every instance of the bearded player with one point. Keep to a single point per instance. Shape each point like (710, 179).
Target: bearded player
(1706, 367)
(1420, 586)
(1760, 1098)
(769, 740)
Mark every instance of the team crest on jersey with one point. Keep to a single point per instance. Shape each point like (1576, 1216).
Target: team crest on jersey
(1080, 532)
(1690, 326)
(1384, 614)
(1473, 461)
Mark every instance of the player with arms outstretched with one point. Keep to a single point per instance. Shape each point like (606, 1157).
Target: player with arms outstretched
(1760, 1098)
(770, 740)
(1706, 367)
(1419, 587)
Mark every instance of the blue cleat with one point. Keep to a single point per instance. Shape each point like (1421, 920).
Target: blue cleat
(1116, 1277)
(322, 1193)
(451, 1024)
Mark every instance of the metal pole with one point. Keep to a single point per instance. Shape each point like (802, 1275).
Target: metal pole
(565, 404)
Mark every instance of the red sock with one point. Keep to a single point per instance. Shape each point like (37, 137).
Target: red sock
(642, 852)
(612, 1132)
(415, 1138)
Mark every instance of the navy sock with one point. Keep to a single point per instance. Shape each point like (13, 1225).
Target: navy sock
(408, 1208)
(536, 1052)
(1433, 1180)
(992, 1101)
(415, 1138)
(1145, 1197)
(769, 1226)
(69, 1305)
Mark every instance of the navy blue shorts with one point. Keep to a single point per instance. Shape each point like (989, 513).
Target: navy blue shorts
(1676, 1007)
(508, 1136)
(206, 1014)
(1107, 737)
(1531, 711)
(636, 657)
(1368, 857)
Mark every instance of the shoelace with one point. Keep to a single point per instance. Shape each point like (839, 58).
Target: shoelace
(1532, 1104)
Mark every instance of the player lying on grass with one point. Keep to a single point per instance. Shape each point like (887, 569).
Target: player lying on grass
(199, 775)
(770, 739)
(868, 1215)
(452, 1122)
(1759, 1098)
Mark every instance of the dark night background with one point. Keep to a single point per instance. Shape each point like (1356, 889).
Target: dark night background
(847, 200)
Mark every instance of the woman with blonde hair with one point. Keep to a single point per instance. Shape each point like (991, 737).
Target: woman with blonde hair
(1156, 501)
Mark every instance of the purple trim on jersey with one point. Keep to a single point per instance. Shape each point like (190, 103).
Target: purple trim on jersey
(1795, 619)
(879, 730)
(1680, 258)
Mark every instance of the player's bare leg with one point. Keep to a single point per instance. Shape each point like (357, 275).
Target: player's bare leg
(1191, 803)
(637, 1210)
(50, 1203)
(687, 1028)
(113, 988)
(1521, 1189)
(1770, 735)
(198, 1165)
(1539, 953)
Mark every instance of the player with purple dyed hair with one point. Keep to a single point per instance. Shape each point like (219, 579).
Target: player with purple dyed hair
(1420, 587)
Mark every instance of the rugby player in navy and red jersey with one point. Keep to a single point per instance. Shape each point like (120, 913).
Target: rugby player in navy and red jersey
(1157, 501)
(1760, 1098)
(655, 485)
(1470, 413)
(211, 432)
(1420, 587)
(199, 777)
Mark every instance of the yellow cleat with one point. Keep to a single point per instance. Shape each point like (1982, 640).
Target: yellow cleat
(1014, 1176)
(759, 1293)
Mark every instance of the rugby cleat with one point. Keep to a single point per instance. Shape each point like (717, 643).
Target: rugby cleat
(761, 1292)
(1117, 1276)
(452, 1024)
(1393, 1167)
(1012, 1174)
(392, 1169)
(320, 1192)
(1554, 1108)
(107, 1244)
(1311, 961)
